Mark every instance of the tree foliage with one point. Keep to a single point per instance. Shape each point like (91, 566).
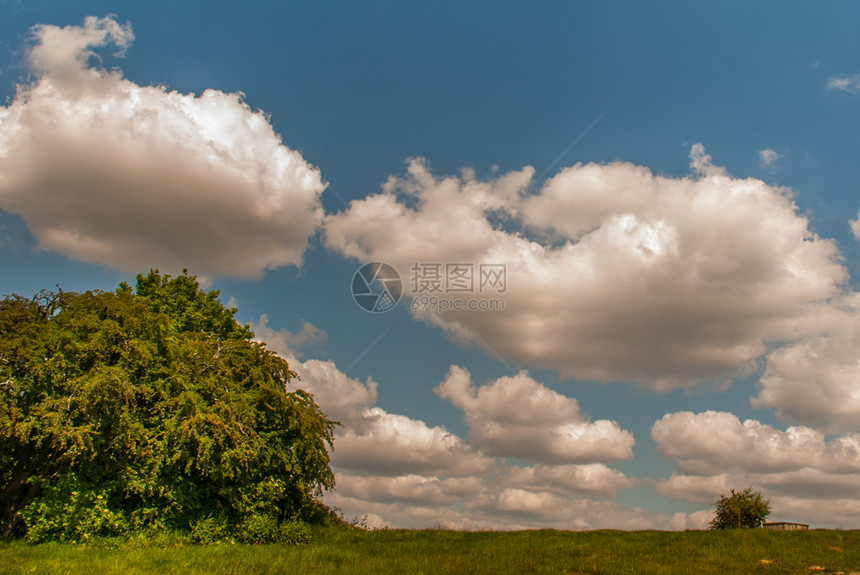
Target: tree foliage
(149, 408)
(746, 508)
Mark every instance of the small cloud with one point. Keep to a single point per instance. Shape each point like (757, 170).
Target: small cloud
(701, 163)
(769, 158)
(855, 227)
(850, 84)
(284, 342)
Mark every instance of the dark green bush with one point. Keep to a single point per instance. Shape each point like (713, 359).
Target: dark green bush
(150, 409)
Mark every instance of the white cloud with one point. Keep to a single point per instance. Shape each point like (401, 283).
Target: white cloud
(713, 442)
(816, 379)
(400, 471)
(371, 440)
(594, 480)
(415, 489)
(495, 507)
(406, 473)
(834, 513)
(284, 342)
(665, 281)
(850, 84)
(700, 488)
(408, 515)
(702, 164)
(768, 158)
(799, 469)
(374, 441)
(529, 509)
(806, 496)
(342, 398)
(104, 170)
(519, 417)
(391, 444)
(855, 227)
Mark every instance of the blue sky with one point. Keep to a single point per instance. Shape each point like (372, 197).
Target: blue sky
(670, 187)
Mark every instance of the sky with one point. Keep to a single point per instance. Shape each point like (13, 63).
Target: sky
(551, 264)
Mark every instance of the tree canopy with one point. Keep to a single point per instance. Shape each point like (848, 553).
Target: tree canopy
(746, 508)
(149, 408)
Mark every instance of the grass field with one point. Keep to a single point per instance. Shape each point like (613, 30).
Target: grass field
(437, 551)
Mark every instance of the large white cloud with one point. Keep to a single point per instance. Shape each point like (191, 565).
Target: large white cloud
(713, 442)
(104, 170)
(616, 273)
(519, 417)
(816, 379)
(806, 475)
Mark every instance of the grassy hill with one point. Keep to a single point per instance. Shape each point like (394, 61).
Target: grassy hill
(434, 551)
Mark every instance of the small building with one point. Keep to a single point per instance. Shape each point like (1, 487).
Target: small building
(784, 526)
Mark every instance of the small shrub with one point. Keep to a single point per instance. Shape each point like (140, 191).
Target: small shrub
(210, 529)
(264, 528)
(743, 509)
(258, 529)
(70, 511)
(294, 532)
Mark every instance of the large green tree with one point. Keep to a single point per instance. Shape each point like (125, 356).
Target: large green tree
(741, 509)
(149, 408)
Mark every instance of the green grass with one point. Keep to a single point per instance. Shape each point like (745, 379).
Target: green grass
(434, 551)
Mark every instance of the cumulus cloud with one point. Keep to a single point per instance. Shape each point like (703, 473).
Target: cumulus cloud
(400, 471)
(519, 417)
(594, 480)
(803, 472)
(405, 473)
(614, 273)
(712, 442)
(850, 83)
(373, 441)
(107, 171)
(416, 489)
(391, 444)
(816, 379)
(342, 398)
